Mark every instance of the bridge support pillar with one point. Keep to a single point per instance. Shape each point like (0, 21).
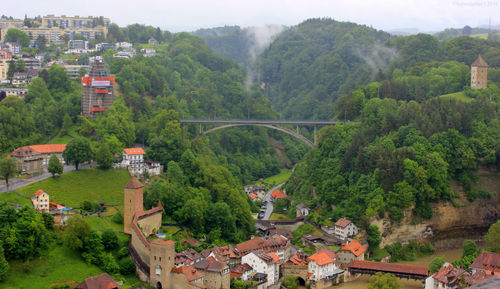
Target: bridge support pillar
(298, 131)
(201, 130)
(315, 143)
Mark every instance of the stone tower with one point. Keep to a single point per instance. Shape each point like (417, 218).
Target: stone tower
(132, 203)
(161, 263)
(97, 92)
(479, 74)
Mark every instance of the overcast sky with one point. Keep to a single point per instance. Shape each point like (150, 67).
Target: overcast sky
(188, 15)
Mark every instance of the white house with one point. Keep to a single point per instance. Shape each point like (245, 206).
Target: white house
(133, 160)
(322, 265)
(41, 201)
(264, 263)
(345, 228)
(242, 271)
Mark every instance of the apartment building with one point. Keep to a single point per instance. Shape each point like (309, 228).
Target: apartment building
(72, 22)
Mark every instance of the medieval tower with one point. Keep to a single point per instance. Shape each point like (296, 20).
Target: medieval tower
(479, 74)
(132, 203)
(161, 263)
(97, 95)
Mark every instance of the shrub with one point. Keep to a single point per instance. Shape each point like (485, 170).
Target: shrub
(117, 218)
(127, 266)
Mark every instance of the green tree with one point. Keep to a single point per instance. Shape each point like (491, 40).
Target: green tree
(384, 281)
(55, 166)
(291, 282)
(77, 233)
(19, 36)
(66, 125)
(436, 264)
(373, 237)
(469, 248)
(127, 266)
(8, 169)
(104, 157)
(77, 151)
(493, 237)
(4, 265)
(109, 239)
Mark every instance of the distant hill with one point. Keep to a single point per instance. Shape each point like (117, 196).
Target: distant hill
(308, 66)
(242, 45)
(450, 33)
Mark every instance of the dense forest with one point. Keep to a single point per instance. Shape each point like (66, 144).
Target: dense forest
(421, 127)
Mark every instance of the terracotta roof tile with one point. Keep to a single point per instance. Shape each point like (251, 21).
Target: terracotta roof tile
(277, 194)
(488, 261)
(38, 193)
(389, 267)
(323, 257)
(298, 259)
(103, 281)
(163, 242)
(354, 247)
(479, 62)
(134, 151)
(133, 184)
(49, 148)
(189, 271)
(343, 222)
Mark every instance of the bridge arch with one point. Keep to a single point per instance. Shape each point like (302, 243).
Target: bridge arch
(287, 131)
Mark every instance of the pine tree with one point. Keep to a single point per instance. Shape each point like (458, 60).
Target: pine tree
(104, 157)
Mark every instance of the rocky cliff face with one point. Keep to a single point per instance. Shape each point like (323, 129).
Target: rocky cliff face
(451, 225)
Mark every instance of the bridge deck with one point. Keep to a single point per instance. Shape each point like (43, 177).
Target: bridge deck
(400, 270)
(268, 122)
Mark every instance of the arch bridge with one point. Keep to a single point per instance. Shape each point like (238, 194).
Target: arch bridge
(272, 124)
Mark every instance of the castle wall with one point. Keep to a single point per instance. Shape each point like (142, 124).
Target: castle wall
(150, 223)
(479, 77)
(140, 245)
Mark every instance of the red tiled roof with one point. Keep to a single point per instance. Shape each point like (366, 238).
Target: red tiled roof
(49, 148)
(488, 261)
(253, 196)
(38, 193)
(389, 267)
(448, 274)
(258, 244)
(209, 264)
(354, 247)
(479, 62)
(342, 222)
(189, 271)
(191, 241)
(134, 151)
(277, 194)
(133, 184)
(275, 258)
(323, 257)
(103, 281)
(242, 268)
(299, 260)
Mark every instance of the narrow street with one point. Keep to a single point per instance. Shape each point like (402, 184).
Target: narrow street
(270, 204)
(16, 183)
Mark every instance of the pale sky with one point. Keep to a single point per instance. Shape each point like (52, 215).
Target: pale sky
(188, 15)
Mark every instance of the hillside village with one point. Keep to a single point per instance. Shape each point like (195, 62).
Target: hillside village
(284, 238)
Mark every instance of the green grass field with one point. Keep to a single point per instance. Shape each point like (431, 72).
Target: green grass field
(275, 216)
(65, 138)
(72, 188)
(60, 264)
(283, 176)
(458, 96)
(11, 198)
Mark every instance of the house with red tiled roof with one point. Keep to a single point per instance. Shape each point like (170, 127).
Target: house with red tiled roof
(322, 264)
(447, 277)
(133, 160)
(103, 281)
(34, 158)
(277, 194)
(351, 251)
(187, 257)
(345, 228)
(242, 271)
(278, 244)
(41, 201)
(488, 262)
(216, 274)
(187, 275)
(264, 263)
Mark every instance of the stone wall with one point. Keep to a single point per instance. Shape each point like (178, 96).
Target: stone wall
(150, 223)
(299, 271)
(140, 244)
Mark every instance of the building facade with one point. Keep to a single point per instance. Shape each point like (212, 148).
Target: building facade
(41, 201)
(322, 264)
(345, 228)
(479, 74)
(264, 263)
(351, 251)
(35, 158)
(74, 22)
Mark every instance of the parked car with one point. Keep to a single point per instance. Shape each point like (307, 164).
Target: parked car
(261, 215)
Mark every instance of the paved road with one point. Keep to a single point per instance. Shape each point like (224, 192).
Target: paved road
(270, 204)
(17, 183)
